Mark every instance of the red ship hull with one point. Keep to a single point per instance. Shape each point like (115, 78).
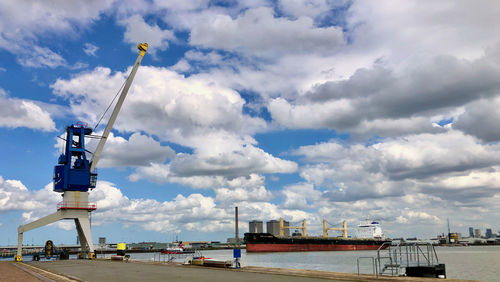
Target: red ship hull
(308, 247)
(265, 242)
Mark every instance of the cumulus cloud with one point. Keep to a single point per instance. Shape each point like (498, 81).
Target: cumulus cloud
(138, 150)
(300, 196)
(14, 196)
(259, 32)
(480, 118)
(23, 113)
(200, 170)
(161, 102)
(228, 196)
(22, 23)
(311, 9)
(192, 112)
(401, 166)
(380, 101)
(137, 30)
(458, 28)
(193, 211)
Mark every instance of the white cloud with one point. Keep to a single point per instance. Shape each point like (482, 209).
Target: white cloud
(423, 163)
(138, 150)
(90, 49)
(138, 31)
(193, 112)
(310, 8)
(41, 57)
(383, 102)
(24, 23)
(193, 211)
(458, 28)
(162, 102)
(258, 32)
(14, 196)
(300, 196)
(228, 196)
(23, 113)
(202, 170)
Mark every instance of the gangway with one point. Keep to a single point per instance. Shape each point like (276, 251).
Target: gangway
(416, 259)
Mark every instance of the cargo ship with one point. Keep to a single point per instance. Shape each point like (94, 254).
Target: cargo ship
(371, 238)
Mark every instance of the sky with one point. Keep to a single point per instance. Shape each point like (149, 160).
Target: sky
(314, 109)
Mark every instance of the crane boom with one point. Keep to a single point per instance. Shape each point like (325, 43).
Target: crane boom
(95, 159)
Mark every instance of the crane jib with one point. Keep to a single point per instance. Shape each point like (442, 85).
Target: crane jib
(73, 171)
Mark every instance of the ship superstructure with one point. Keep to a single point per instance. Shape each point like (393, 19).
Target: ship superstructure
(370, 230)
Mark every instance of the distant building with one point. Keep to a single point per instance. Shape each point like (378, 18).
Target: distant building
(477, 233)
(471, 232)
(273, 227)
(255, 226)
(489, 234)
(147, 245)
(102, 240)
(235, 241)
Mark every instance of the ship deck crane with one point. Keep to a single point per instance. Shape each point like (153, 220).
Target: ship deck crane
(283, 227)
(74, 175)
(343, 229)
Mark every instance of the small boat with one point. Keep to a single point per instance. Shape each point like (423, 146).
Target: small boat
(170, 251)
(176, 250)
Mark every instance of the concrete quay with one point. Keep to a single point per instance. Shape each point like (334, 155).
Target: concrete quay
(104, 270)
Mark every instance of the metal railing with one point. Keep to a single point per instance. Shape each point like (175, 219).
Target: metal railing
(394, 258)
(405, 255)
(374, 265)
(74, 205)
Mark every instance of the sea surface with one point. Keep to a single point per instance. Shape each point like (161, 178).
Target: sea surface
(473, 262)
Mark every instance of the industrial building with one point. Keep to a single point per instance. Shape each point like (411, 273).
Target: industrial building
(477, 233)
(255, 226)
(273, 227)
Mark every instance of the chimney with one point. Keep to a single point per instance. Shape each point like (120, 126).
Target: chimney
(236, 223)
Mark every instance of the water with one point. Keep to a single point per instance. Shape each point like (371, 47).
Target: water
(474, 262)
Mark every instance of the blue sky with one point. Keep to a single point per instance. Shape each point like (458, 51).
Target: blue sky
(336, 110)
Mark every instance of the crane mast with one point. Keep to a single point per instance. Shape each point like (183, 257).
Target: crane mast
(74, 175)
(116, 110)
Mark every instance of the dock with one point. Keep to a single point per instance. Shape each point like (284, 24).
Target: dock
(105, 270)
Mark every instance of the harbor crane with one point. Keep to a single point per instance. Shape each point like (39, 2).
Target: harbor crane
(74, 176)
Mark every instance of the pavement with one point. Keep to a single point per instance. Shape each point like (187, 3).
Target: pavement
(9, 272)
(97, 270)
(105, 270)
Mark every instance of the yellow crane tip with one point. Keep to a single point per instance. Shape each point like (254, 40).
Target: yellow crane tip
(142, 47)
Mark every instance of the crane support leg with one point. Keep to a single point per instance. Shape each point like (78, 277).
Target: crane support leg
(85, 237)
(51, 218)
(19, 255)
(75, 212)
